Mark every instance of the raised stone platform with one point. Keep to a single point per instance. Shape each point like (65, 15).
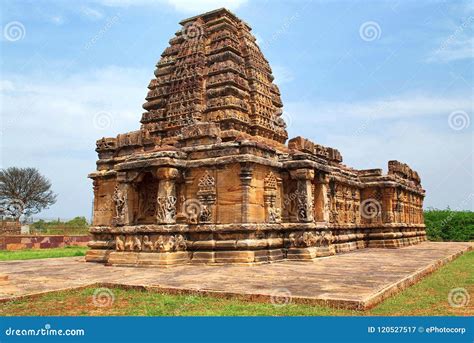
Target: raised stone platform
(357, 280)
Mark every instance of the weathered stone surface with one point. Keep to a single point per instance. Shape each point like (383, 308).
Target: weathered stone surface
(10, 227)
(208, 175)
(333, 281)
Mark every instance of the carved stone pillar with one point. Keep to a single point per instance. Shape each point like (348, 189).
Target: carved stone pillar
(304, 195)
(321, 206)
(166, 199)
(415, 209)
(420, 210)
(95, 204)
(357, 206)
(402, 206)
(397, 206)
(387, 205)
(246, 171)
(409, 208)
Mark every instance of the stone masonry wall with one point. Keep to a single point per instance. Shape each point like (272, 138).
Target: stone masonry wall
(20, 242)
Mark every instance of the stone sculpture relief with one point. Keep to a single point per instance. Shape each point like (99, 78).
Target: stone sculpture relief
(155, 243)
(166, 209)
(120, 201)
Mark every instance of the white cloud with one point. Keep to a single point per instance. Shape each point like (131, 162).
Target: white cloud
(453, 50)
(6, 85)
(57, 19)
(186, 6)
(259, 39)
(282, 74)
(204, 5)
(401, 106)
(92, 13)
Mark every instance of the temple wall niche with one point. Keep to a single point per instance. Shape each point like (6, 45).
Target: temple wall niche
(103, 203)
(144, 210)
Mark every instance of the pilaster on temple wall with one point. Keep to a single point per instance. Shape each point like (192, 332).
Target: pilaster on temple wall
(304, 194)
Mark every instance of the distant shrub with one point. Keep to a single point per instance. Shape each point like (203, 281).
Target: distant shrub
(77, 225)
(77, 222)
(448, 225)
(39, 225)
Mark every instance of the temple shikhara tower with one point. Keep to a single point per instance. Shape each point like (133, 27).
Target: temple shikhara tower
(210, 177)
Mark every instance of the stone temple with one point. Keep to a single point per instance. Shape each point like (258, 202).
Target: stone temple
(210, 177)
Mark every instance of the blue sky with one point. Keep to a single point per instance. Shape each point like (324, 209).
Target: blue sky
(379, 80)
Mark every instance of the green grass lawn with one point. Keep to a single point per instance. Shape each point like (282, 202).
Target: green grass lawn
(30, 254)
(428, 297)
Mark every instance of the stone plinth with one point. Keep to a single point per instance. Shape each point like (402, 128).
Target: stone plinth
(359, 279)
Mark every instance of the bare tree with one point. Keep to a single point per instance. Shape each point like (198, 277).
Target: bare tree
(24, 191)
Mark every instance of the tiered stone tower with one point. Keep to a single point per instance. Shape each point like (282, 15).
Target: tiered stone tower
(213, 71)
(208, 177)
